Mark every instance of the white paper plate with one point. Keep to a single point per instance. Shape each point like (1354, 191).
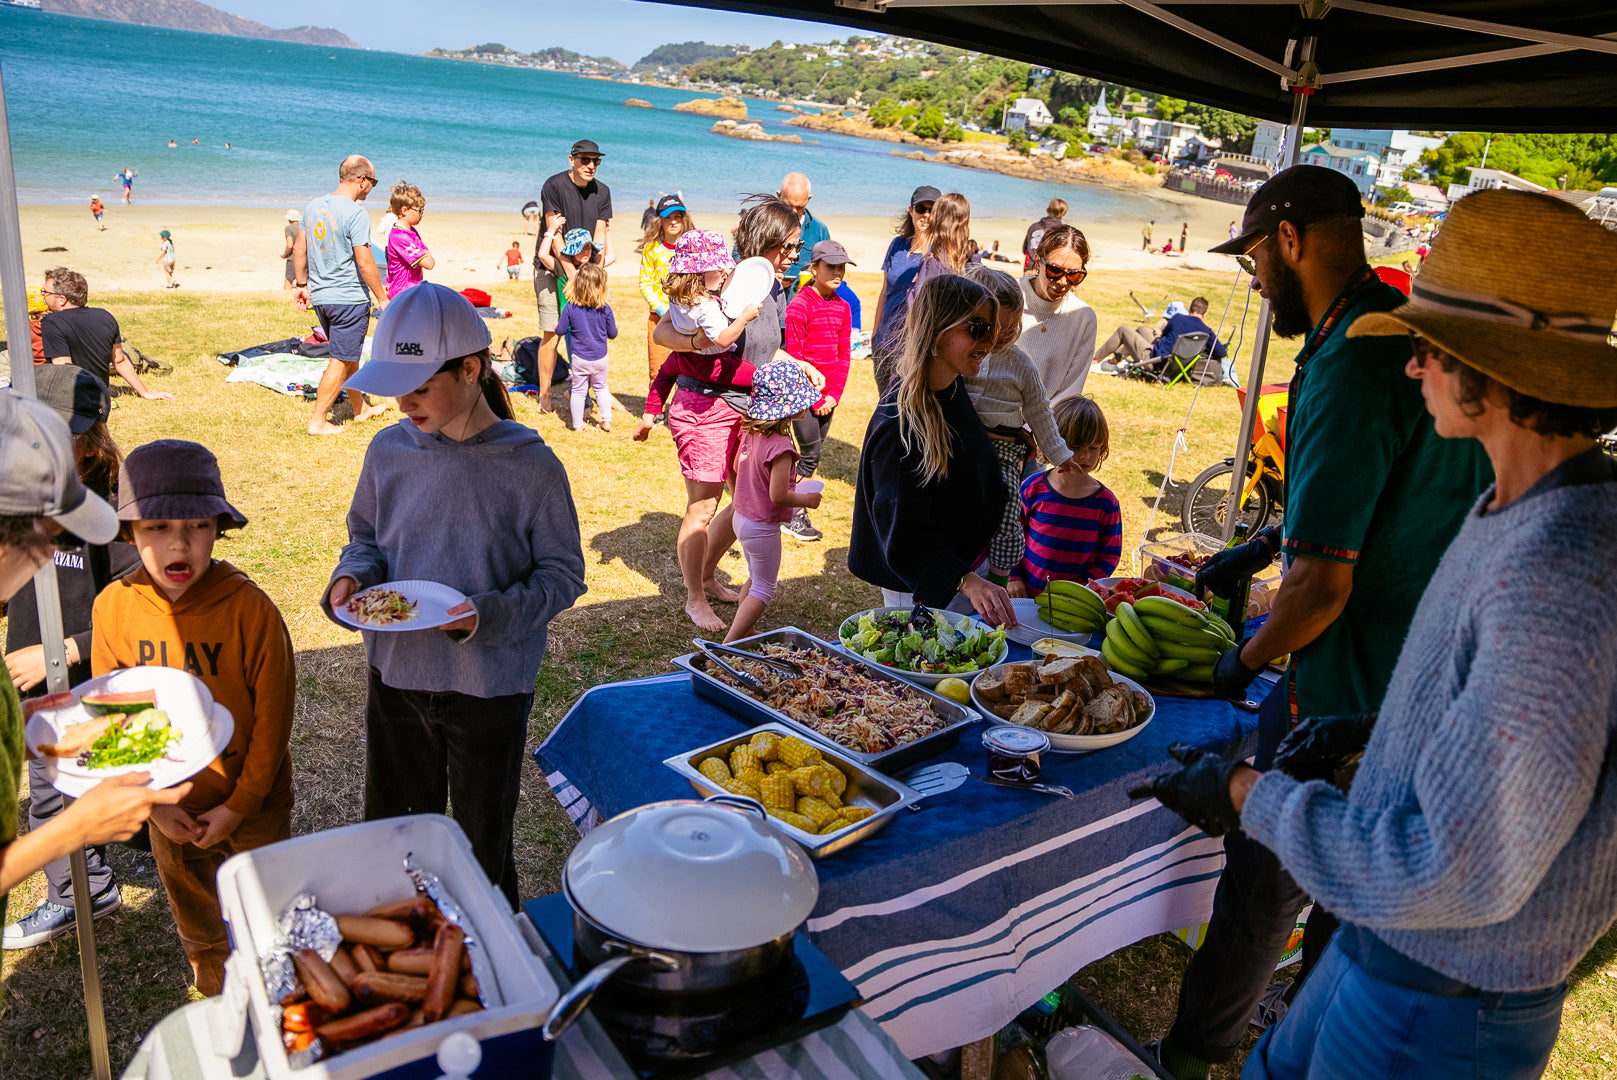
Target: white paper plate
(1079, 744)
(750, 282)
(205, 728)
(1030, 627)
(809, 487)
(432, 600)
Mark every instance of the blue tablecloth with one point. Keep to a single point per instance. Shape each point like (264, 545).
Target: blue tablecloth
(955, 918)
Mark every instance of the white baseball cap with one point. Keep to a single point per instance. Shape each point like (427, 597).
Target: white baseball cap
(419, 330)
(38, 474)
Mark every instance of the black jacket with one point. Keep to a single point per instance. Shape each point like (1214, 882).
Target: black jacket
(80, 576)
(922, 539)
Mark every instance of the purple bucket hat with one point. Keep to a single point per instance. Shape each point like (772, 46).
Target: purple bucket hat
(699, 251)
(172, 479)
(780, 389)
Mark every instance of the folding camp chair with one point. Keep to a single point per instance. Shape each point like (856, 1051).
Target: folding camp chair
(1188, 349)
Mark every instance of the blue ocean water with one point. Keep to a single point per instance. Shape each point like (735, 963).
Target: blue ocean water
(87, 97)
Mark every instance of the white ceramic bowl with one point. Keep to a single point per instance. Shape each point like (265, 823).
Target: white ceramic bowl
(922, 678)
(1073, 744)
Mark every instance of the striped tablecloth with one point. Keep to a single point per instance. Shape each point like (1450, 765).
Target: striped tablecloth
(953, 919)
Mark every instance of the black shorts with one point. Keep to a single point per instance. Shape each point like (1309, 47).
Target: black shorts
(344, 326)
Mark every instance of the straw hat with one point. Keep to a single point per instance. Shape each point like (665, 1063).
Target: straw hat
(1522, 287)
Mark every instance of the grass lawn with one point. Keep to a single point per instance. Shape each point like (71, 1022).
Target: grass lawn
(630, 498)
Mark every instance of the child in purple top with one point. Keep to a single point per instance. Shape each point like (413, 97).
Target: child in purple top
(408, 259)
(588, 324)
(766, 488)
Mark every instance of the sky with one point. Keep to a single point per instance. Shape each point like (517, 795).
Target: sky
(623, 29)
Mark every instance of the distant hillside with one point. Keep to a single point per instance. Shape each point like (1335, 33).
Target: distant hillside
(682, 55)
(190, 15)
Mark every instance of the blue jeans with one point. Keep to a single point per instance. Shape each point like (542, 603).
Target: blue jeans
(1348, 1024)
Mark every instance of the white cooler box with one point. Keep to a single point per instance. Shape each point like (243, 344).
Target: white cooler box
(353, 869)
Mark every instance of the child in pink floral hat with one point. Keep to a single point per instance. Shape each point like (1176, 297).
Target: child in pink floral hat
(697, 270)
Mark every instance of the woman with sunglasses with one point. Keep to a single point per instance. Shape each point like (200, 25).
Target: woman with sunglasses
(705, 413)
(899, 267)
(1058, 329)
(929, 495)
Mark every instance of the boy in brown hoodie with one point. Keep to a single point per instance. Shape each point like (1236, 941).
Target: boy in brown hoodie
(184, 609)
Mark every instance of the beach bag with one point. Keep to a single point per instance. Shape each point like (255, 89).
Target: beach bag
(1207, 372)
(526, 359)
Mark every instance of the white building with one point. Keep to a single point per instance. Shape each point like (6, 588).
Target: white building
(1267, 141)
(1427, 198)
(1397, 150)
(1488, 179)
(1103, 124)
(1026, 113)
(1170, 138)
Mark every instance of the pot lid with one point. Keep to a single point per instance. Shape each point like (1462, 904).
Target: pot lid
(692, 877)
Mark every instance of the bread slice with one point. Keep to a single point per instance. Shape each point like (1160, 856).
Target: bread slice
(1031, 715)
(990, 685)
(78, 738)
(1018, 678)
(1063, 713)
(1059, 672)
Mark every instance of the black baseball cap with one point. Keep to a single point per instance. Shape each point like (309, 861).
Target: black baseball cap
(668, 204)
(923, 194)
(585, 146)
(77, 396)
(1301, 195)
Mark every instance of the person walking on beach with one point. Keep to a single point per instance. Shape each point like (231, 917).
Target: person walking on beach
(569, 200)
(333, 271)
(1145, 235)
(1184, 236)
(291, 235)
(127, 178)
(97, 208)
(511, 259)
(1053, 215)
(795, 192)
(165, 257)
(408, 259)
(668, 221)
(86, 337)
(530, 218)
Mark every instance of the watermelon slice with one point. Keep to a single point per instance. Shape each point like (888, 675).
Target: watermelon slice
(131, 702)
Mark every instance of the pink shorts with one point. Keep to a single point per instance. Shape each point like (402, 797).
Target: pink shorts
(706, 433)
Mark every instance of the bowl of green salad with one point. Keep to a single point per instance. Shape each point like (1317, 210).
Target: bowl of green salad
(926, 650)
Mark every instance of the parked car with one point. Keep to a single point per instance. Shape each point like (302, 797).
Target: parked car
(1402, 208)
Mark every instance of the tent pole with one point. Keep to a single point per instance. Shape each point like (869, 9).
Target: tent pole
(1260, 340)
(14, 285)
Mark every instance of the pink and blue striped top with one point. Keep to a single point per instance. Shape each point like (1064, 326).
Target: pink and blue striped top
(1081, 539)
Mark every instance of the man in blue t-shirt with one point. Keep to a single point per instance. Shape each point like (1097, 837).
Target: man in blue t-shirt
(332, 272)
(1188, 324)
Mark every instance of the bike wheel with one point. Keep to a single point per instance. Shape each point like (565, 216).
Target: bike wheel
(1207, 501)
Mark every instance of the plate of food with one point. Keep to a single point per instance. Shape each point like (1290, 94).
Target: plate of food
(1076, 701)
(146, 719)
(400, 605)
(949, 645)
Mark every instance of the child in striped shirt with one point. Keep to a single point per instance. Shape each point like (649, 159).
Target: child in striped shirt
(1074, 524)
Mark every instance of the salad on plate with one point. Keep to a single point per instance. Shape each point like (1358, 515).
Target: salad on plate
(938, 647)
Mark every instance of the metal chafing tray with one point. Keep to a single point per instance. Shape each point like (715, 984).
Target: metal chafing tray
(866, 787)
(751, 710)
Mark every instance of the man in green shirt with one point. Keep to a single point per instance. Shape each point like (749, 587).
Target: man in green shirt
(1373, 497)
(44, 506)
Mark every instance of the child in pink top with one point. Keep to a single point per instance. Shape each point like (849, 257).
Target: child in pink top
(766, 490)
(408, 259)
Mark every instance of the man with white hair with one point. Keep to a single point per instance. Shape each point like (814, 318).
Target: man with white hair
(795, 191)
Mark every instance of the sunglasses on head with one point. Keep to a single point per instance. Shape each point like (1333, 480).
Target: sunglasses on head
(1056, 273)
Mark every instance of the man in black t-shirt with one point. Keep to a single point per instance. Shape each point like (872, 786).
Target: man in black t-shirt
(570, 200)
(85, 337)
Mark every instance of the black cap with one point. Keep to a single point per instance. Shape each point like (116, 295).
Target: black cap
(77, 396)
(831, 253)
(585, 146)
(1301, 194)
(925, 194)
(668, 204)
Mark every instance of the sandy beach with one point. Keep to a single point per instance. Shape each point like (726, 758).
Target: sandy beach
(237, 249)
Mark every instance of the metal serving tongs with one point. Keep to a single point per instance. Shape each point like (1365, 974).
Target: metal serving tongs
(711, 649)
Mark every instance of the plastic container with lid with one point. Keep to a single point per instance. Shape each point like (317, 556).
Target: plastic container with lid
(1014, 753)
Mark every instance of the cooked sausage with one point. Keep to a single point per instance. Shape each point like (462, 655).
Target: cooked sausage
(411, 961)
(304, 1016)
(322, 983)
(368, 959)
(382, 933)
(448, 948)
(411, 910)
(468, 986)
(364, 1025)
(462, 1006)
(373, 986)
(343, 965)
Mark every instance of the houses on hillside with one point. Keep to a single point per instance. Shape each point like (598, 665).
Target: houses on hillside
(1488, 179)
(1027, 114)
(1171, 139)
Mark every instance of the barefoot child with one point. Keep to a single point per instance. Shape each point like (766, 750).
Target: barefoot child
(165, 257)
(588, 323)
(511, 259)
(408, 259)
(1074, 524)
(765, 481)
(459, 493)
(185, 609)
(819, 329)
(1008, 394)
(97, 208)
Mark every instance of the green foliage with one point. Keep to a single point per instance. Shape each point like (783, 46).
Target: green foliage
(884, 113)
(1388, 196)
(953, 133)
(493, 47)
(1074, 115)
(1411, 174)
(1234, 130)
(1587, 161)
(1134, 95)
(1169, 108)
(683, 54)
(1019, 141)
(930, 124)
(1317, 135)
(1062, 133)
(1148, 168)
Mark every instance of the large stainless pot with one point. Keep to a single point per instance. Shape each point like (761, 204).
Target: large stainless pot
(683, 897)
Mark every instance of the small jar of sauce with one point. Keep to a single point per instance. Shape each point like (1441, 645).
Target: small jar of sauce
(1014, 752)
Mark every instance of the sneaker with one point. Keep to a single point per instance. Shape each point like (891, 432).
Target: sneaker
(1271, 1008)
(800, 527)
(50, 920)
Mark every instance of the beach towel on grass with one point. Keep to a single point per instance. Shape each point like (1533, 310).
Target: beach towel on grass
(293, 346)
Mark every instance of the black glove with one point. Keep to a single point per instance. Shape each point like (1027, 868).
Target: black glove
(1230, 676)
(1321, 746)
(1199, 792)
(1221, 572)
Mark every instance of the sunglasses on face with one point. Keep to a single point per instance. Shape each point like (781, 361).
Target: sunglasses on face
(922, 208)
(1245, 261)
(1056, 273)
(590, 161)
(793, 250)
(976, 326)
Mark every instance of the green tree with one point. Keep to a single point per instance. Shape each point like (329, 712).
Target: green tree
(1019, 141)
(1411, 174)
(953, 133)
(1169, 108)
(931, 123)
(884, 113)
(1233, 130)
(1074, 115)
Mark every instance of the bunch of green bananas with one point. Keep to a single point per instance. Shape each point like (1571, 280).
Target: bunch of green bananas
(1071, 607)
(1158, 636)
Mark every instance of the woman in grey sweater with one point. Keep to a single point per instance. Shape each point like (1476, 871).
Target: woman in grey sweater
(1474, 861)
